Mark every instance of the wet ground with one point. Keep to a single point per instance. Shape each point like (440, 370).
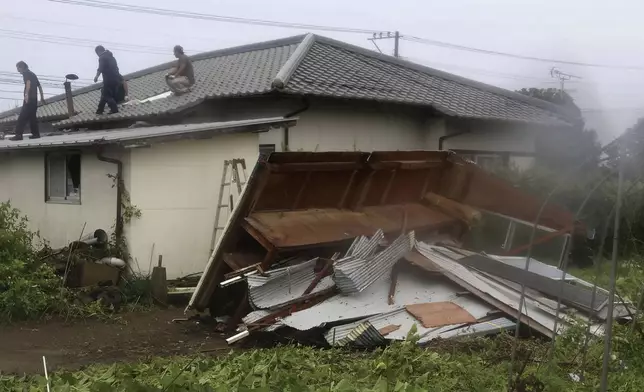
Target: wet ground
(130, 337)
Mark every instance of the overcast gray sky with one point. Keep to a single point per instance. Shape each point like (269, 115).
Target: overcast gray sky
(574, 30)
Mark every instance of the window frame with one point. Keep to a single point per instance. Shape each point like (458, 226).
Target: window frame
(76, 200)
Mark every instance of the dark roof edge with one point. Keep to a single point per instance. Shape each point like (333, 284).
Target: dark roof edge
(289, 67)
(200, 56)
(446, 75)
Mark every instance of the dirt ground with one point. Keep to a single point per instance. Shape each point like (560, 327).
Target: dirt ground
(74, 344)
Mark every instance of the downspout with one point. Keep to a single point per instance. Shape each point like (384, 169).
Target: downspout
(118, 230)
(443, 138)
(304, 108)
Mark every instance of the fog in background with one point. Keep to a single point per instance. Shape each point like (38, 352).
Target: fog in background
(56, 39)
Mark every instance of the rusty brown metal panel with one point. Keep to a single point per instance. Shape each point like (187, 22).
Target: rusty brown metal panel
(469, 184)
(293, 200)
(310, 227)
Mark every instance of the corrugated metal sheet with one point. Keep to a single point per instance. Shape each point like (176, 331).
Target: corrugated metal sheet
(535, 266)
(412, 288)
(354, 275)
(344, 333)
(478, 329)
(257, 280)
(503, 297)
(367, 248)
(361, 334)
(132, 135)
(254, 316)
(287, 287)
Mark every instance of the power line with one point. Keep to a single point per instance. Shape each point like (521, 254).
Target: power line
(218, 18)
(111, 29)
(42, 77)
(20, 92)
(79, 42)
(481, 71)
(516, 56)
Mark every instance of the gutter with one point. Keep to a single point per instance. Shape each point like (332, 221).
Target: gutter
(118, 230)
(443, 138)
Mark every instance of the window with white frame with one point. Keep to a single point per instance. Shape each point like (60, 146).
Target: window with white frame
(63, 179)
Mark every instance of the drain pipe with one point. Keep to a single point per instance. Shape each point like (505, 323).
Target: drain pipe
(118, 230)
(442, 139)
(304, 108)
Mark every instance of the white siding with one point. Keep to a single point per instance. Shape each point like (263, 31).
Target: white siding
(354, 128)
(176, 186)
(22, 181)
(503, 139)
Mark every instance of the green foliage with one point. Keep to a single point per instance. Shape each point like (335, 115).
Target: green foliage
(540, 181)
(477, 364)
(129, 211)
(28, 287)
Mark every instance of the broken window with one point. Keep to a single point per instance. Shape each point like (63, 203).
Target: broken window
(63, 180)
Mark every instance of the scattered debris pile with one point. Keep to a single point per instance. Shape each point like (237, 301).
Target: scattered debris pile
(365, 247)
(87, 265)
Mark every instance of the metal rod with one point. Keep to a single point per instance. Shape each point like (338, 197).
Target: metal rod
(613, 275)
(564, 263)
(637, 311)
(44, 364)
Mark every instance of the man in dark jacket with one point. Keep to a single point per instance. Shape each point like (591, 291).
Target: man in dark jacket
(108, 67)
(30, 103)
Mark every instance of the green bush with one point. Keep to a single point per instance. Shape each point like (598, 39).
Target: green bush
(574, 189)
(28, 288)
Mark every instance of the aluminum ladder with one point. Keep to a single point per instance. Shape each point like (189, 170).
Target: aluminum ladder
(230, 176)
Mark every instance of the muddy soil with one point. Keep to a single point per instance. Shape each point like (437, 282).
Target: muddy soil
(131, 337)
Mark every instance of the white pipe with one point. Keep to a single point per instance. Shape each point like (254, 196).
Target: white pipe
(44, 364)
(237, 337)
(113, 261)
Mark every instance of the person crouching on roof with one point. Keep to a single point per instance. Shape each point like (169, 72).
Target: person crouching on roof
(182, 76)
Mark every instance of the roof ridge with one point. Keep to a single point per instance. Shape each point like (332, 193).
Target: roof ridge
(289, 67)
(446, 75)
(160, 67)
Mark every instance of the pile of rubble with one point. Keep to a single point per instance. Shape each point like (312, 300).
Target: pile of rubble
(378, 292)
(368, 247)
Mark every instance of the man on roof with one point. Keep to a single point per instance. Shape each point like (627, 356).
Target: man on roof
(182, 76)
(108, 67)
(29, 104)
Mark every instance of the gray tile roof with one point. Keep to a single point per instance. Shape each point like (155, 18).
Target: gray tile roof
(334, 69)
(126, 136)
(311, 65)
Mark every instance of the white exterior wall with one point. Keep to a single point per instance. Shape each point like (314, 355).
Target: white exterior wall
(355, 128)
(327, 125)
(176, 187)
(22, 181)
(518, 141)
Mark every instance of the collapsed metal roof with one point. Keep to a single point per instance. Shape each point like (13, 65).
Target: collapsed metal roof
(300, 200)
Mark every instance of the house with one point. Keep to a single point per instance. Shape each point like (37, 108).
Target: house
(68, 184)
(345, 98)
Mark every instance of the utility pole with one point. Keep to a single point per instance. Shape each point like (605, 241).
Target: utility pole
(387, 35)
(563, 78)
(396, 42)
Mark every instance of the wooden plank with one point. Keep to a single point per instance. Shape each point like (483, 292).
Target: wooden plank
(438, 314)
(384, 331)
